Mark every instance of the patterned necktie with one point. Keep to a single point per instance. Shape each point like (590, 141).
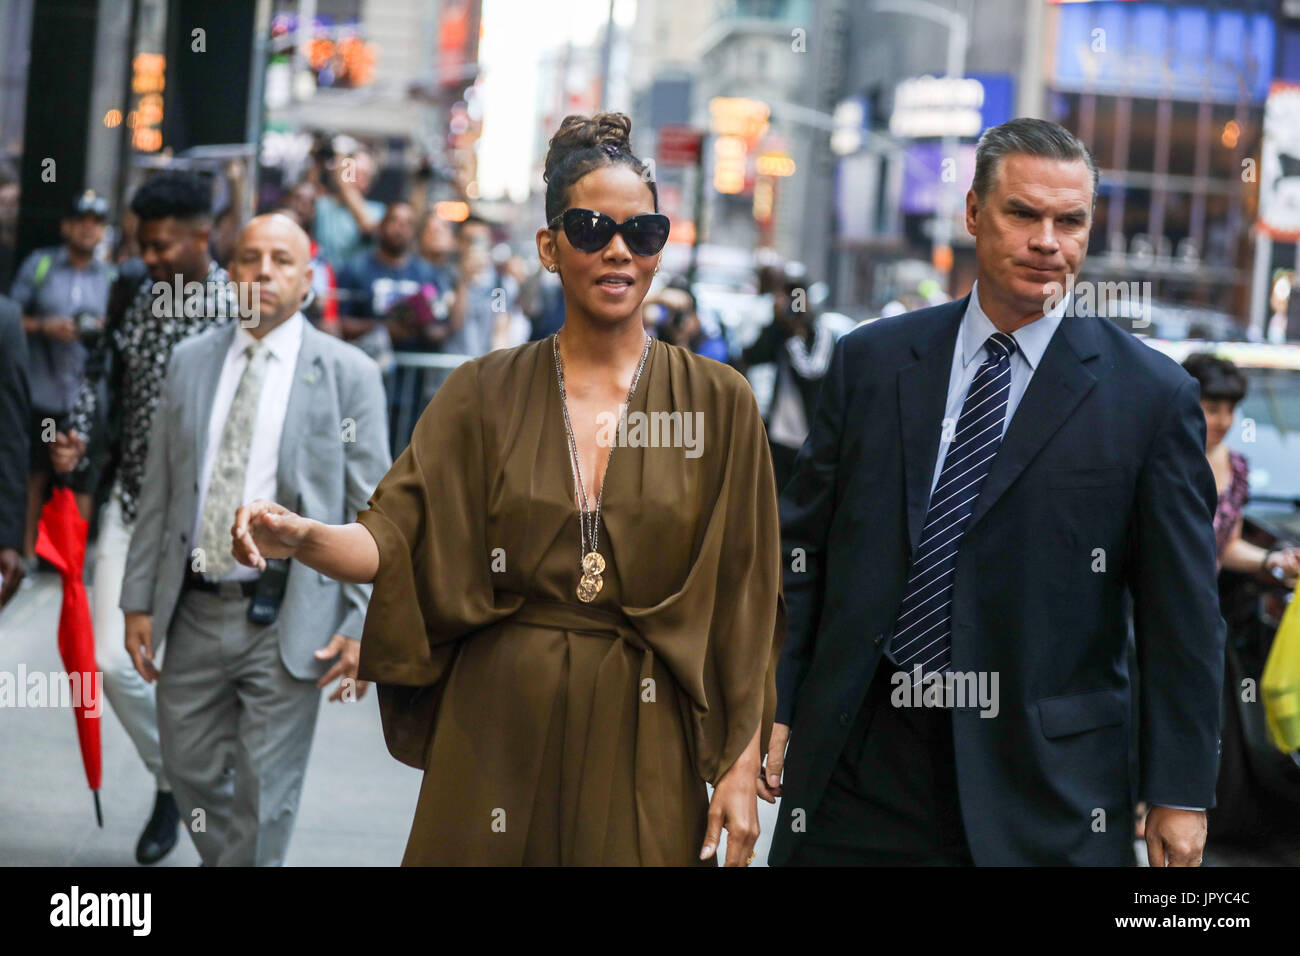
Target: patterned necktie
(922, 633)
(226, 483)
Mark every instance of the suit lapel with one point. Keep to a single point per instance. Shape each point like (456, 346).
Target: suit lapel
(922, 398)
(308, 377)
(203, 392)
(1059, 383)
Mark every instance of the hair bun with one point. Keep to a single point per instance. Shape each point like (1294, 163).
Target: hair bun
(608, 131)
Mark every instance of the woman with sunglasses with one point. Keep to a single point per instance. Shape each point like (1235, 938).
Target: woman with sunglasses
(576, 611)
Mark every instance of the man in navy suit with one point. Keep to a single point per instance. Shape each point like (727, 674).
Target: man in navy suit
(985, 486)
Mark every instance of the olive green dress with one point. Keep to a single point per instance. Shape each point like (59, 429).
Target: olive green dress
(550, 731)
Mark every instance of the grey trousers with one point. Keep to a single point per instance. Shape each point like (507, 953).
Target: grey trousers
(236, 730)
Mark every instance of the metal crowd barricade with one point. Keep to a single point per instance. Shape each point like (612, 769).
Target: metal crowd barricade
(410, 385)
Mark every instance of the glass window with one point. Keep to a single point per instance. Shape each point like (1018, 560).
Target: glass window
(1178, 219)
(1142, 136)
(1183, 139)
(1100, 220)
(1065, 110)
(1114, 201)
(1137, 213)
(1103, 131)
(1224, 134)
(1218, 248)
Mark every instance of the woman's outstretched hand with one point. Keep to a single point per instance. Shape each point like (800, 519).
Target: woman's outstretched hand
(264, 530)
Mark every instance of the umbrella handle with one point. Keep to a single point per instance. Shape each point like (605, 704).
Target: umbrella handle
(99, 812)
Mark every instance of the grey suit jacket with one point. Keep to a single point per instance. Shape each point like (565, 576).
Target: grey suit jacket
(333, 452)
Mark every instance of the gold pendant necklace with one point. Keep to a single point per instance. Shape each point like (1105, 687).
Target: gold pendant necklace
(590, 560)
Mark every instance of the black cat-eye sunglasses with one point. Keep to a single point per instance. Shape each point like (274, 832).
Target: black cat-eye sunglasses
(591, 231)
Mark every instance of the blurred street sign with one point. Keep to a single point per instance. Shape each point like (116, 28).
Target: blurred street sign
(679, 145)
(851, 122)
(738, 116)
(1279, 165)
(774, 163)
(1218, 53)
(937, 106)
(729, 164)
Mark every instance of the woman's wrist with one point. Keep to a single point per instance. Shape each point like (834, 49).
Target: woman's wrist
(741, 773)
(307, 550)
(1264, 563)
(748, 763)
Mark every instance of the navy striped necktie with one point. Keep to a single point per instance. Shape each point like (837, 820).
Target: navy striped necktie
(923, 630)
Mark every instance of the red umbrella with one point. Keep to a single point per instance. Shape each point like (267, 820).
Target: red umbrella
(61, 540)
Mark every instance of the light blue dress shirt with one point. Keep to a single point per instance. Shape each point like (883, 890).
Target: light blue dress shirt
(969, 354)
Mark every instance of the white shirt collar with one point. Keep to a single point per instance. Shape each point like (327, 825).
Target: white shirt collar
(282, 342)
(1031, 339)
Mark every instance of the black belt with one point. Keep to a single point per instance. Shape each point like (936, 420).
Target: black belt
(226, 589)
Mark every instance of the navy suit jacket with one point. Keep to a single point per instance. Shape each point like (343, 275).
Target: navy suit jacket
(1100, 489)
(15, 424)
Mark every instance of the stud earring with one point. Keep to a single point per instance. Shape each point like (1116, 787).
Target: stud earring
(552, 268)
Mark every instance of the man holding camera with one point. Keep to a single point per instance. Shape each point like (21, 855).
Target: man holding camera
(373, 282)
(671, 314)
(800, 347)
(62, 291)
(345, 220)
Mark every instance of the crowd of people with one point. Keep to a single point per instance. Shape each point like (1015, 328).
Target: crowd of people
(95, 322)
(387, 277)
(241, 477)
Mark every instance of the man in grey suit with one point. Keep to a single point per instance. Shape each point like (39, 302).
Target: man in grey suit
(264, 407)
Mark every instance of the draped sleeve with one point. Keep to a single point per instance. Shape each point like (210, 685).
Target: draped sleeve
(721, 633)
(433, 584)
(749, 613)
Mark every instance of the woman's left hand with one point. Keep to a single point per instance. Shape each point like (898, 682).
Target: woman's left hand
(735, 808)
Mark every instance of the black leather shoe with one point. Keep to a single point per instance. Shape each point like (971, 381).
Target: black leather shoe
(159, 834)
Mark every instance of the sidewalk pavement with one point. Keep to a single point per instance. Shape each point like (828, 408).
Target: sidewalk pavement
(357, 801)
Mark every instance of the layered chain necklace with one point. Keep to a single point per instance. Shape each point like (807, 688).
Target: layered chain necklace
(589, 558)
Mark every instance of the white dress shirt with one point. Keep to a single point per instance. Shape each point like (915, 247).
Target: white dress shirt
(283, 344)
(969, 354)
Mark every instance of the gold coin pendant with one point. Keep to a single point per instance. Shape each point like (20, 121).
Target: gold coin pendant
(589, 587)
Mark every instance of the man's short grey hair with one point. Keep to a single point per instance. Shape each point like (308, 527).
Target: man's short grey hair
(1029, 137)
